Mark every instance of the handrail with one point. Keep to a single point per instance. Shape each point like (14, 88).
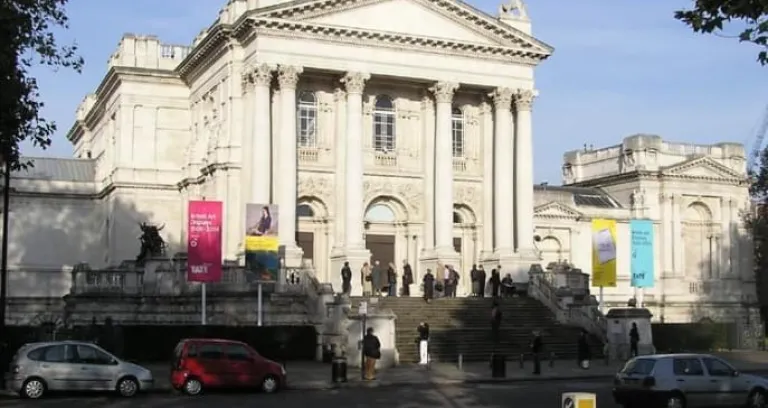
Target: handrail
(541, 289)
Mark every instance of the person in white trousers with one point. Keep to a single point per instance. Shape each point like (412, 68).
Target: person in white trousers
(423, 330)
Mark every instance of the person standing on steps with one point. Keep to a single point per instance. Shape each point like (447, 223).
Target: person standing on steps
(537, 346)
(407, 278)
(423, 330)
(634, 339)
(429, 286)
(371, 352)
(496, 317)
(367, 278)
(495, 281)
(481, 278)
(346, 279)
(391, 280)
(379, 277)
(475, 278)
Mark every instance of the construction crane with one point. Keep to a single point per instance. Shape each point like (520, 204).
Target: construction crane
(762, 130)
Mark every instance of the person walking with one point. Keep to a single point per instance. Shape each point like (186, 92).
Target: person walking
(407, 278)
(391, 280)
(371, 352)
(346, 279)
(537, 346)
(584, 354)
(481, 279)
(423, 330)
(495, 281)
(429, 286)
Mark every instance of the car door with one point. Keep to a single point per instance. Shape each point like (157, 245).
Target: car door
(210, 357)
(731, 390)
(691, 379)
(55, 364)
(97, 368)
(239, 365)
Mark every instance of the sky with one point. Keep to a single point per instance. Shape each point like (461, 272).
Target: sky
(620, 67)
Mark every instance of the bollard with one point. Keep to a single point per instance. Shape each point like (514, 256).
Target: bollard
(522, 360)
(551, 360)
(579, 400)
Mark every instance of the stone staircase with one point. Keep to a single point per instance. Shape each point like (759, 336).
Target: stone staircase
(462, 326)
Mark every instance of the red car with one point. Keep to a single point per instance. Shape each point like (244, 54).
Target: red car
(213, 363)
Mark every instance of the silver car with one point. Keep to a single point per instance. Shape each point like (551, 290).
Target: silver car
(73, 366)
(686, 381)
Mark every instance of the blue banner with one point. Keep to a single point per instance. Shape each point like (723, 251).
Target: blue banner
(642, 260)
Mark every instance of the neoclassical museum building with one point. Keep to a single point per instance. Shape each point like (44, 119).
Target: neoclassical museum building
(390, 139)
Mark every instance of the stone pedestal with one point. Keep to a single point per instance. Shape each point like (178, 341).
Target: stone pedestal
(383, 324)
(161, 277)
(619, 325)
(511, 263)
(356, 259)
(436, 258)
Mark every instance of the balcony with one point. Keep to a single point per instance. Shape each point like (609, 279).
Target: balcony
(309, 155)
(459, 165)
(386, 160)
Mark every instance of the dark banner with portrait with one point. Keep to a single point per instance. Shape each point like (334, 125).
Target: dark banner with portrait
(262, 259)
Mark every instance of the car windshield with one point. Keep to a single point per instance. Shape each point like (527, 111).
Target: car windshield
(641, 366)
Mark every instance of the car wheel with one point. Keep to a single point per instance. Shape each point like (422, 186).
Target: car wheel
(193, 387)
(675, 401)
(127, 387)
(270, 384)
(34, 388)
(757, 399)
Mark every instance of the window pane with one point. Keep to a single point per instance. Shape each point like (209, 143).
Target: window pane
(55, 354)
(717, 368)
(642, 366)
(687, 366)
(211, 351)
(238, 353)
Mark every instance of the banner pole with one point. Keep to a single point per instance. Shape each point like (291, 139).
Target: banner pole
(203, 304)
(260, 304)
(600, 301)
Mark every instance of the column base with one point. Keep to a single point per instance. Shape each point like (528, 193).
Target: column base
(434, 258)
(356, 259)
(517, 264)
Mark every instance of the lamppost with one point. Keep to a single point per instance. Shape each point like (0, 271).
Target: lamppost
(4, 264)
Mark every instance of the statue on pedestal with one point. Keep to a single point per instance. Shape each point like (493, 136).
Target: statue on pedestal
(152, 244)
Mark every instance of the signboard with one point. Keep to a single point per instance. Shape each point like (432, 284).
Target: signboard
(604, 253)
(642, 261)
(262, 259)
(204, 241)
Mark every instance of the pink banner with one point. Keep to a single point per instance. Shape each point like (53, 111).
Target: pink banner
(204, 241)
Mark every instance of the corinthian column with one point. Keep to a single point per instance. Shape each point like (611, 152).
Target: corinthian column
(443, 186)
(524, 173)
(504, 173)
(350, 184)
(261, 140)
(288, 77)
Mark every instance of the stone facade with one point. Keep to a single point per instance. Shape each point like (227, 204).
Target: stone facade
(370, 151)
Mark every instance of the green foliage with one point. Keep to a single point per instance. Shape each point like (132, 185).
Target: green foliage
(711, 16)
(756, 222)
(26, 38)
(693, 337)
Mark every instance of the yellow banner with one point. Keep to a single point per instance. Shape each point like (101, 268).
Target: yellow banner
(261, 244)
(604, 253)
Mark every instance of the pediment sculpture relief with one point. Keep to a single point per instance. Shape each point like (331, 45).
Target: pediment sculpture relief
(514, 9)
(410, 194)
(318, 187)
(467, 195)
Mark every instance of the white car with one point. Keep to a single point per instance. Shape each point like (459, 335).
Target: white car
(686, 381)
(73, 366)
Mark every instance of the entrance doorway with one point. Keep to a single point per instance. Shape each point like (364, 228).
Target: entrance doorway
(382, 248)
(306, 241)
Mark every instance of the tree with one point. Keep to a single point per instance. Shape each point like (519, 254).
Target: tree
(756, 222)
(711, 16)
(26, 38)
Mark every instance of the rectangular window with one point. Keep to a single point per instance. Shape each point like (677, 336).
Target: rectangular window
(307, 123)
(458, 136)
(384, 132)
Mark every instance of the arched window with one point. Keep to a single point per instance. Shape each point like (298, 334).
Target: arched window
(304, 211)
(384, 124)
(307, 120)
(457, 218)
(457, 122)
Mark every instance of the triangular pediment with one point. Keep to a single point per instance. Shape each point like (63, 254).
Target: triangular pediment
(556, 209)
(449, 20)
(702, 167)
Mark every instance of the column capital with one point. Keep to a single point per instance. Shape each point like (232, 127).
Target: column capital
(288, 76)
(444, 91)
(502, 97)
(261, 75)
(354, 82)
(524, 99)
(339, 94)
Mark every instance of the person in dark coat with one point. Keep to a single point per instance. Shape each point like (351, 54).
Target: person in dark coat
(584, 353)
(634, 339)
(475, 278)
(481, 278)
(346, 279)
(378, 278)
(423, 339)
(537, 347)
(495, 281)
(407, 278)
(371, 352)
(429, 286)
(391, 280)
(496, 317)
